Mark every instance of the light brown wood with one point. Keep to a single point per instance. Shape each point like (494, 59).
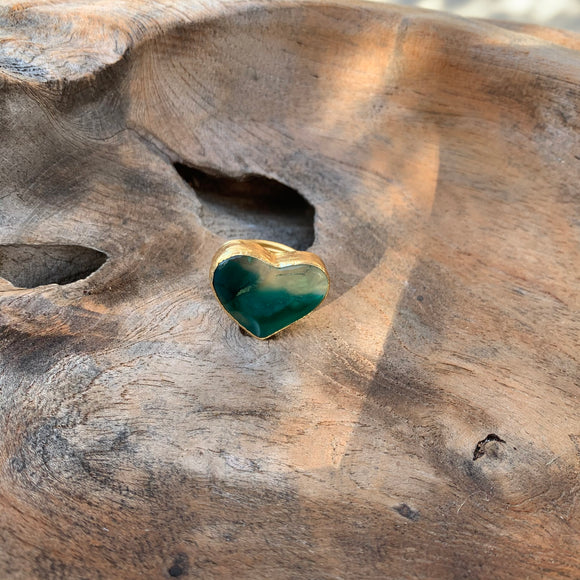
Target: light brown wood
(434, 160)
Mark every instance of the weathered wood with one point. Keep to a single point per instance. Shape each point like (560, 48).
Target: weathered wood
(145, 436)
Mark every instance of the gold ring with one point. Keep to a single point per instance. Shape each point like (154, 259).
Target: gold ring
(266, 286)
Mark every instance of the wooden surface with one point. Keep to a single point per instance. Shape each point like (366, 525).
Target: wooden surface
(434, 161)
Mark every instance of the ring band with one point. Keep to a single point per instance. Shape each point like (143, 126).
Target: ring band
(267, 286)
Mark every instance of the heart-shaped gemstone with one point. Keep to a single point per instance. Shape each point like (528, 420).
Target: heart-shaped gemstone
(266, 294)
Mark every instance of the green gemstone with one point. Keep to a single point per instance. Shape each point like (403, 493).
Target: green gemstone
(264, 298)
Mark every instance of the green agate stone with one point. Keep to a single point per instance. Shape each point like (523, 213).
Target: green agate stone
(264, 298)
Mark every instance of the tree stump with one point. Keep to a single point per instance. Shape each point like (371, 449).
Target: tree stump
(423, 422)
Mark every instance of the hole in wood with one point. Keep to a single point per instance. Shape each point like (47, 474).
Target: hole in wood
(252, 207)
(180, 566)
(486, 446)
(407, 512)
(28, 266)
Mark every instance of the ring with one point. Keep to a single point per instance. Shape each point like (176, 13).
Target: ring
(266, 286)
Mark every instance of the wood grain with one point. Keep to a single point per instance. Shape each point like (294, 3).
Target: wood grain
(145, 436)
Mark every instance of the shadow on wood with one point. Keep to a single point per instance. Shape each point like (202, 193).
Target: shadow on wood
(432, 162)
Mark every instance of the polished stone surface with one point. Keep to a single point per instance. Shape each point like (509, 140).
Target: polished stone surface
(264, 298)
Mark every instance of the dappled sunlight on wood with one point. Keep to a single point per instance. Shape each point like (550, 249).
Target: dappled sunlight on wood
(429, 160)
